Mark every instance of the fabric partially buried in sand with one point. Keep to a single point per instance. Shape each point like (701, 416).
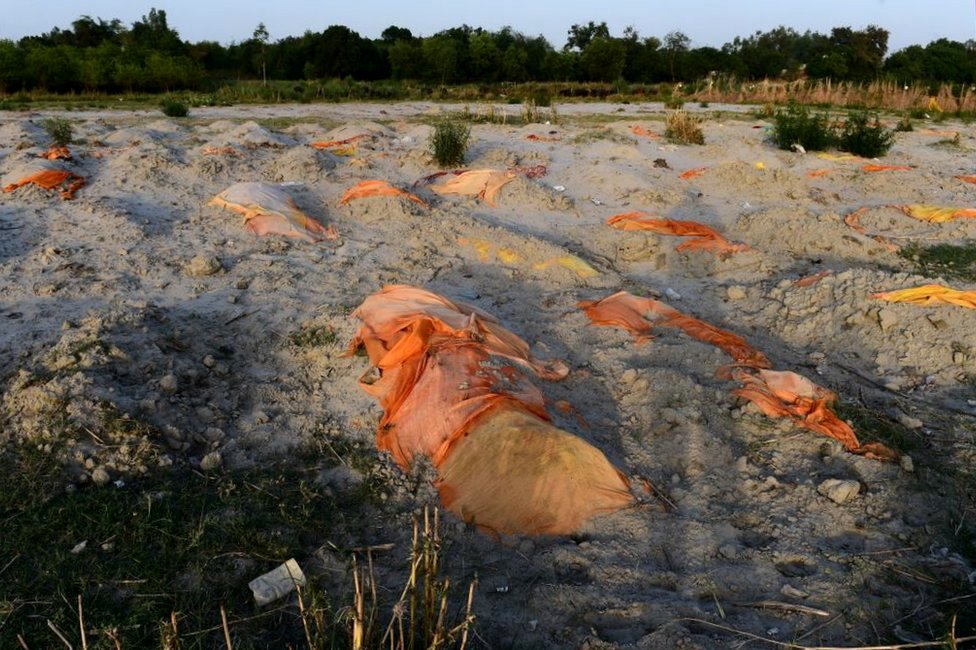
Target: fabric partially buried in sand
(930, 294)
(702, 237)
(67, 183)
(775, 393)
(268, 210)
(453, 386)
(368, 188)
(482, 183)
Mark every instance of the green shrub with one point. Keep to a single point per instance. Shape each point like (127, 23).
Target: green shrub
(683, 128)
(59, 129)
(674, 103)
(796, 125)
(448, 142)
(904, 124)
(863, 135)
(174, 108)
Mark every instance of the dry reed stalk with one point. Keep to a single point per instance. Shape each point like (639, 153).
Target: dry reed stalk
(223, 622)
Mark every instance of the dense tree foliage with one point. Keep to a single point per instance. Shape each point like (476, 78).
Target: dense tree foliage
(96, 55)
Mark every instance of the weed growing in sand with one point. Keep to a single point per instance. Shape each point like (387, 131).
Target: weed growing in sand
(863, 135)
(530, 113)
(904, 125)
(174, 108)
(59, 130)
(681, 127)
(954, 262)
(313, 337)
(674, 103)
(449, 142)
(796, 125)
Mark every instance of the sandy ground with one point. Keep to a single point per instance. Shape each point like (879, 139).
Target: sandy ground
(108, 287)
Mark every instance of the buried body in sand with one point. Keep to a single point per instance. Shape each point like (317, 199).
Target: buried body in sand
(776, 433)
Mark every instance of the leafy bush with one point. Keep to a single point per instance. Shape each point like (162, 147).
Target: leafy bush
(674, 103)
(448, 142)
(174, 108)
(683, 128)
(796, 125)
(863, 137)
(59, 129)
(904, 124)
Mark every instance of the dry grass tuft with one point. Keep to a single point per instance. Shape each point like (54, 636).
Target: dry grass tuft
(681, 127)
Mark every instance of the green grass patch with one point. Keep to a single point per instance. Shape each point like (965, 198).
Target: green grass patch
(872, 426)
(449, 142)
(951, 261)
(313, 337)
(176, 546)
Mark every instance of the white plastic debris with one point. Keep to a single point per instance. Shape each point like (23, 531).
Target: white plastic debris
(559, 188)
(277, 583)
(672, 294)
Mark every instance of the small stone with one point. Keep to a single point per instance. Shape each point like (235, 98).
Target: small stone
(839, 491)
(209, 361)
(906, 463)
(211, 461)
(887, 319)
(909, 422)
(232, 299)
(742, 465)
(736, 292)
(100, 477)
(790, 591)
(169, 384)
(202, 265)
(242, 285)
(729, 552)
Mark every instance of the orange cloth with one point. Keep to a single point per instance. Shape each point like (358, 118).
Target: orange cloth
(966, 179)
(692, 173)
(268, 210)
(328, 144)
(377, 188)
(704, 237)
(630, 312)
(641, 132)
(482, 183)
(810, 280)
(776, 393)
(56, 152)
(870, 167)
(453, 386)
(786, 394)
(930, 294)
(935, 213)
(51, 179)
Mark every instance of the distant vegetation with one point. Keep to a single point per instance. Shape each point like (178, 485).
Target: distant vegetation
(98, 56)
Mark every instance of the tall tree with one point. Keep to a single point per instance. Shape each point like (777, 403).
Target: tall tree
(261, 36)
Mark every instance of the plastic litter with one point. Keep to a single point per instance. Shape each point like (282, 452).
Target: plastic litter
(277, 583)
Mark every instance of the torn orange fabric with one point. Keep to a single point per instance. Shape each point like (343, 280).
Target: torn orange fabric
(368, 188)
(692, 173)
(816, 173)
(939, 133)
(219, 151)
(482, 183)
(787, 394)
(966, 179)
(641, 132)
(269, 210)
(810, 280)
(630, 313)
(453, 386)
(703, 237)
(930, 294)
(57, 152)
(870, 167)
(329, 144)
(776, 393)
(51, 179)
(935, 213)
(542, 138)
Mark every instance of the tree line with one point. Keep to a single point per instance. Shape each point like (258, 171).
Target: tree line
(95, 55)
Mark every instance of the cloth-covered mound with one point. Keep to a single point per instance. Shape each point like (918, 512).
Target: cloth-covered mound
(269, 210)
(455, 386)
